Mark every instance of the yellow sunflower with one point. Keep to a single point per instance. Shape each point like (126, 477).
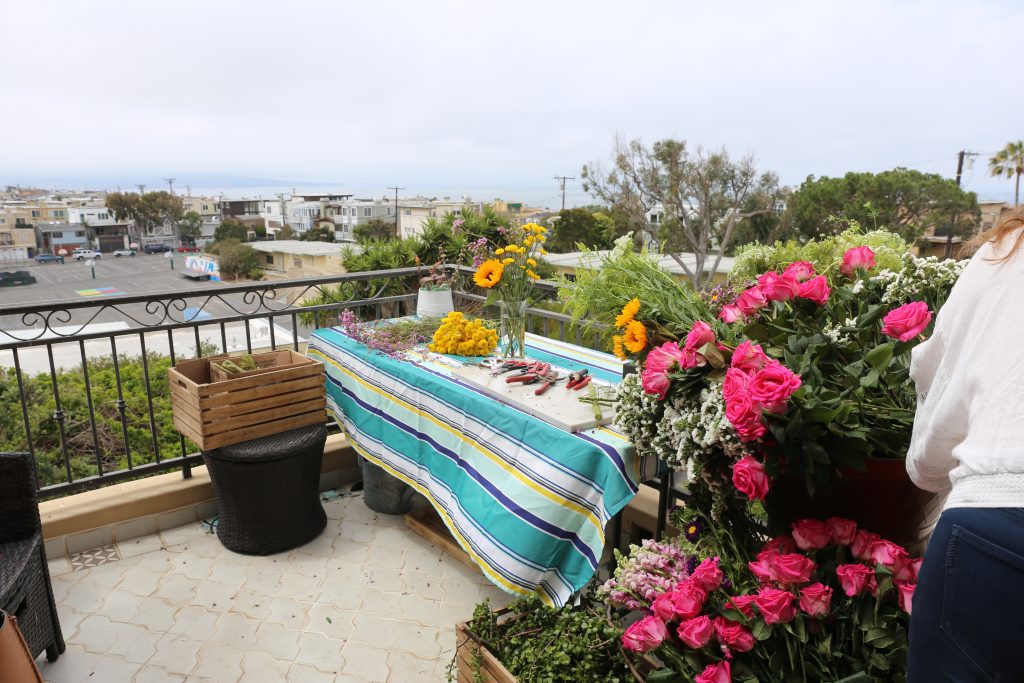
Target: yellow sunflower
(629, 312)
(617, 347)
(635, 337)
(489, 273)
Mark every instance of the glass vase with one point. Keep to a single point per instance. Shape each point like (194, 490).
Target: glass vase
(513, 329)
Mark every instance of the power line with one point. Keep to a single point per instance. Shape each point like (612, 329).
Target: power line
(170, 183)
(561, 179)
(396, 189)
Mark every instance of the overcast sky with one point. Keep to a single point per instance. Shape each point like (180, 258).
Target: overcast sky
(487, 94)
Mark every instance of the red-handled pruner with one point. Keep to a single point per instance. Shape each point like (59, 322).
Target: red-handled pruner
(575, 378)
(582, 383)
(525, 379)
(550, 379)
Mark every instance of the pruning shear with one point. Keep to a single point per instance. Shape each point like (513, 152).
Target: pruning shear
(578, 379)
(550, 379)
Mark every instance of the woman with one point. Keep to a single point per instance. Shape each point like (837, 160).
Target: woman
(968, 608)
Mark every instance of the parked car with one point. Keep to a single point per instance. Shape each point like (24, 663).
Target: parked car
(156, 248)
(187, 249)
(49, 258)
(124, 252)
(80, 254)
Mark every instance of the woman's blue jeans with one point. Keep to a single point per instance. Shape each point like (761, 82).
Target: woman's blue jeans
(967, 620)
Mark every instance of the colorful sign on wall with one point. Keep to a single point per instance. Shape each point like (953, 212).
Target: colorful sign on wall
(203, 264)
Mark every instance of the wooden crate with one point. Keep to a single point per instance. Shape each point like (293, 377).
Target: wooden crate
(467, 649)
(287, 395)
(428, 524)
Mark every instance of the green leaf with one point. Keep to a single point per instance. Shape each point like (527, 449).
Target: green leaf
(713, 355)
(664, 676)
(761, 630)
(879, 357)
(870, 380)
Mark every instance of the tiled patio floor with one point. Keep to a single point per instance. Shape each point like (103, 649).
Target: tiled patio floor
(368, 600)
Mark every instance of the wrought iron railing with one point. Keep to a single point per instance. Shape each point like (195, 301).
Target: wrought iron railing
(84, 383)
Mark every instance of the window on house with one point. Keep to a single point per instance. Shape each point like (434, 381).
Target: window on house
(408, 212)
(80, 233)
(367, 211)
(270, 259)
(389, 210)
(35, 214)
(296, 261)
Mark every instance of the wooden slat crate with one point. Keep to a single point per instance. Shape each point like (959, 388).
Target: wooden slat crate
(491, 670)
(286, 395)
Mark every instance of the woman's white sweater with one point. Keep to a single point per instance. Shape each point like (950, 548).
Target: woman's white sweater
(969, 429)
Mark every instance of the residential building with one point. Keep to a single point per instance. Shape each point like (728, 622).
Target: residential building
(413, 213)
(13, 214)
(566, 264)
(204, 206)
(17, 243)
(240, 208)
(941, 246)
(91, 215)
(519, 213)
(292, 259)
(52, 237)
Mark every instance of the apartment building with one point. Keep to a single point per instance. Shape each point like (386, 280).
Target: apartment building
(414, 213)
(204, 206)
(292, 259)
(17, 243)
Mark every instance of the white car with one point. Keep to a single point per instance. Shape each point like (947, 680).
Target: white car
(124, 252)
(80, 254)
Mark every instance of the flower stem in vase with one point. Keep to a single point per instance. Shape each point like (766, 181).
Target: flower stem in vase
(513, 329)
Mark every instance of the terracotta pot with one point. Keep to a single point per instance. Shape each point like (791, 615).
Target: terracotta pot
(16, 662)
(881, 499)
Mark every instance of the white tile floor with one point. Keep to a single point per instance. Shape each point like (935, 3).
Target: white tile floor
(368, 600)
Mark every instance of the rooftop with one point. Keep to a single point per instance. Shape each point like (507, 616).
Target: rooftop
(592, 259)
(298, 247)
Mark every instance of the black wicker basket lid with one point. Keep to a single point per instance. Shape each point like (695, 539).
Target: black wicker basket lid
(273, 447)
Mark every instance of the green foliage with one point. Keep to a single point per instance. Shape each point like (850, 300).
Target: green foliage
(319, 233)
(41, 406)
(190, 227)
(547, 645)
(580, 226)
(231, 229)
(235, 258)
(826, 253)
(904, 201)
(287, 232)
(148, 210)
(373, 230)
(1009, 162)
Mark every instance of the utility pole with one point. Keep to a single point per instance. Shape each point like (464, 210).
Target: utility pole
(170, 183)
(188, 190)
(561, 179)
(960, 156)
(142, 189)
(396, 189)
(280, 199)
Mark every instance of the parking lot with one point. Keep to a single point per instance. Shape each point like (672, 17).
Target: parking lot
(141, 274)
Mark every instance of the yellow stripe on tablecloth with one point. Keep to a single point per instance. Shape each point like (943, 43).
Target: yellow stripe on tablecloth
(490, 455)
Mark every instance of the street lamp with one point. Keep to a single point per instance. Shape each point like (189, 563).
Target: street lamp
(169, 255)
(92, 266)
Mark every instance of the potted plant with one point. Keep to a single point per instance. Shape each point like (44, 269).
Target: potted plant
(435, 295)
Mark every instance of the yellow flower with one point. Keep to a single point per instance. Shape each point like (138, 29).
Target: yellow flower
(488, 274)
(629, 312)
(617, 347)
(635, 338)
(543, 251)
(542, 238)
(508, 261)
(531, 262)
(532, 275)
(528, 241)
(499, 251)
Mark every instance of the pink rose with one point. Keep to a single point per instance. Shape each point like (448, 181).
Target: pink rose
(744, 417)
(860, 547)
(915, 566)
(734, 635)
(730, 313)
(842, 530)
(657, 383)
(816, 599)
(894, 558)
(792, 568)
(663, 608)
(749, 478)
(645, 635)
(735, 383)
(750, 357)
(700, 334)
(707, 575)
(761, 568)
(811, 534)
(776, 605)
(687, 600)
(771, 387)
(751, 301)
(743, 604)
(857, 258)
(778, 287)
(779, 544)
(856, 578)
(665, 357)
(696, 632)
(800, 270)
(815, 289)
(906, 597)
(907, 321)
(715, 673)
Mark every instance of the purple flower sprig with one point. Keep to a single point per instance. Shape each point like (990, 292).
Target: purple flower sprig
(649, 570)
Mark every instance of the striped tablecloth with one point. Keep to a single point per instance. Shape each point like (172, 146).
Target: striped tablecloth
(528, 501)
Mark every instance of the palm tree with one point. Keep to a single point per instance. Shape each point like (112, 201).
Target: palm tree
(1009, 162)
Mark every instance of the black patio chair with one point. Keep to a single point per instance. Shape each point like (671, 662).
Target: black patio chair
(25, 589)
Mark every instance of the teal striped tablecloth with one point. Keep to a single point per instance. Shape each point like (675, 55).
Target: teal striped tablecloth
(529, 502)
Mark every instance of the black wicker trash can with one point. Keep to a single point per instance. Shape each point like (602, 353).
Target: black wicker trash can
(268, 491)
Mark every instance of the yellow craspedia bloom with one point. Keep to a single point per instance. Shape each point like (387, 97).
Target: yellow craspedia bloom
(507, 261)
(543, 251)
(617, 349)
(635, 338)
(629, 312)
(499, 251)
(531, 262)
(529, 240)
(488, 274)
(532, 275)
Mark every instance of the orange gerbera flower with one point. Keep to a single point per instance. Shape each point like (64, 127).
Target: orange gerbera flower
(629, 312)
(635, 337)
(617, 349)
(489, 273)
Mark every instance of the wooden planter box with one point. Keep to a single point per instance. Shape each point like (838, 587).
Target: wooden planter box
(467, 649)
(286, 392)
